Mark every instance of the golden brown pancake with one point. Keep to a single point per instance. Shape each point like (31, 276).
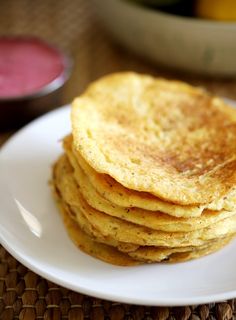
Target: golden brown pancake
(123, 231)
(149, 171)
(163, 137)
(151, 219)
(87, 244)
(96, 247)
(153, 254)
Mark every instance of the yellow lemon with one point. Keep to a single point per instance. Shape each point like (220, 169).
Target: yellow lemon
(224, 10)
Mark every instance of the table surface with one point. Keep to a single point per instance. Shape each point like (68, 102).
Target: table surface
(71, 25)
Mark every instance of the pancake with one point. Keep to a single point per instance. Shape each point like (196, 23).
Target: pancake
(98, 250)
(150, 219)
(153, 254)
(127, 125)
(123, 231)
(89, 244)
(128, 232)
(62, 181)
(111, 255)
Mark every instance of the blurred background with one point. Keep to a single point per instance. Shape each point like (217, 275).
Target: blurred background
(160, 37)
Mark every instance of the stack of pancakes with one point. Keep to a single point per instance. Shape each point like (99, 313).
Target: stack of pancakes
(149, 171)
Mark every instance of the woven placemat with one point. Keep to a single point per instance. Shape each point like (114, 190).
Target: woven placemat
(28, 296)
(71, 25)
(25, 295)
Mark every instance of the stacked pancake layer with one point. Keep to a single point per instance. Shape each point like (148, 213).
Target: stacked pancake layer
(148, 174)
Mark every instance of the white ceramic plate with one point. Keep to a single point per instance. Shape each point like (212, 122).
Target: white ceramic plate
(32, 231)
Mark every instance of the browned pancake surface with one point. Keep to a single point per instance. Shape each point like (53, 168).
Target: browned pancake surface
(163, 137)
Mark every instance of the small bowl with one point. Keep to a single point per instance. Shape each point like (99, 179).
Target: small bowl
(189, 44)
(17, 108)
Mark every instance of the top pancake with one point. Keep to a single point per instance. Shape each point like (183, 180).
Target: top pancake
(163, 137)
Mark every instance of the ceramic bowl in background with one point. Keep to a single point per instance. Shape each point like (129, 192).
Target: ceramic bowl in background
(184, 43)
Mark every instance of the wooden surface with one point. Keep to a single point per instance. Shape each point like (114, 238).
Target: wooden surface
(71, 25)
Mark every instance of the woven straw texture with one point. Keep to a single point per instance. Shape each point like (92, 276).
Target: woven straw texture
(71, 25)
(25, 295)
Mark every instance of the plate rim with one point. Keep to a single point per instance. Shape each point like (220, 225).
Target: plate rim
(203, 299)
